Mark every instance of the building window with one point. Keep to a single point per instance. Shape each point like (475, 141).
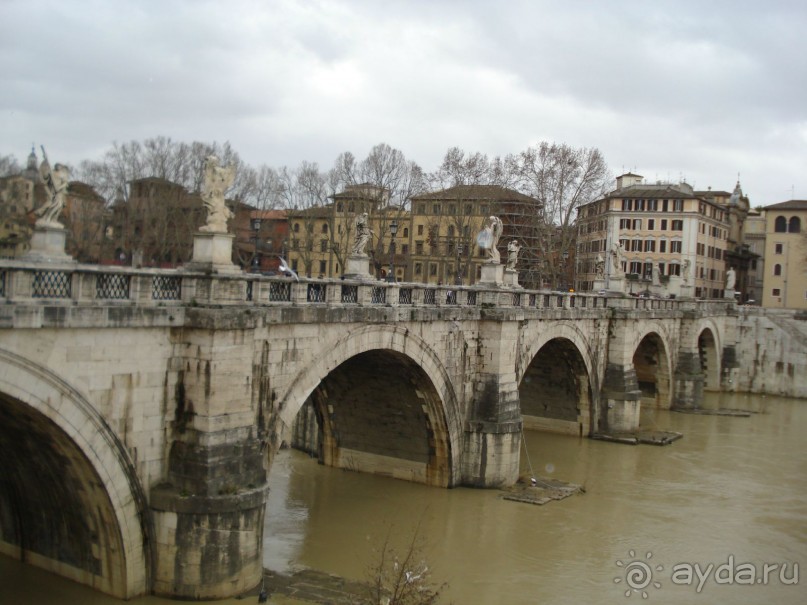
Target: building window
(418, 248)
(420, 229)
(323, 267)
(405, 249)
(452, 209)
(297, 227)
(436, 209)
(624, 223)
(777, 292)
(678, 205)
(662, 245)
(418, 268)
(650, 245)
(325, 227)
(406, 232)
(432, 268)
(664, 224)
(421, 208)
(677, 225)
(777, 269)
(451, 231)
(794, 226)
(651, 224)
(675, 247)
(635, 267)
(674, 269)
(627, 205)
(780, 225)
(778, 249)
(323, 245)
(637, 224)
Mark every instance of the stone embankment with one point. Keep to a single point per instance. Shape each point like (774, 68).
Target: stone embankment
(771, 353)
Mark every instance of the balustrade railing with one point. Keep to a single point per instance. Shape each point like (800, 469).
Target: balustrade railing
(20, 281)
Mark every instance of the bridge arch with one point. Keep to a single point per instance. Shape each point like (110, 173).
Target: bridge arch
(708, 346)
(70, 501)
(652, 360)
(558, 385)
(373, 353)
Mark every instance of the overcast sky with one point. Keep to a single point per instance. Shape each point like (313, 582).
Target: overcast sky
(701, 90)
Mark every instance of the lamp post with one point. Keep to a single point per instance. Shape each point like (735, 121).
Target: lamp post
(565, 256)
(458, 278)
(256, 227)
(393, 229)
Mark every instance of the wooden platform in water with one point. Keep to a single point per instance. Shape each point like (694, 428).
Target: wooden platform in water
(645, 437)
(718, 412)
(545, 490)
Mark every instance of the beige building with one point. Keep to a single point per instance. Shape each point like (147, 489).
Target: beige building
(785, 272)
(320, 238)
(445, 225)
(667, 227)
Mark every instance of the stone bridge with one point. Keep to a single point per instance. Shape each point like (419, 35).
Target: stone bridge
(140, 409)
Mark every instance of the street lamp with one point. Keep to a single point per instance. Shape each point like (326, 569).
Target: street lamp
(393, 229)
(256, 227)
(565, 256)
(458, 278)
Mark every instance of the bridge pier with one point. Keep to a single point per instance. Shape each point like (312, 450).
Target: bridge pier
(689, 380)
(492, 437)
(208, 516)
(622, 397)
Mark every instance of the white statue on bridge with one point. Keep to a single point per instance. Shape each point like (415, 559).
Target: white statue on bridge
(362, 236)
(512, 254)
(488, 239)
(617, 256)
(56, 180)
(217, 180)
(731, 279)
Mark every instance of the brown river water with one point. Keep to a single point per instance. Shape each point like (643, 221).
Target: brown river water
(697, 521)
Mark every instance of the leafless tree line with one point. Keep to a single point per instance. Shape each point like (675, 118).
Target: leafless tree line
(558, 176)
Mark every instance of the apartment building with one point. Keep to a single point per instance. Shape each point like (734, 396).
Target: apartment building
(681, 232)
(445, 225)
(785, 272)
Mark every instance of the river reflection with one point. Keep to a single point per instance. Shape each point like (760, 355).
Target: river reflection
(731, 486)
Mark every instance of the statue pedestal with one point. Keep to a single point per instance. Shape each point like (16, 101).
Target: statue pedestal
(511, 278)
(616, 284)
(358, 267)
(213, 253)
(492, 275)
(730, 294)
(47, 245)
(687, 291)
(599, 284)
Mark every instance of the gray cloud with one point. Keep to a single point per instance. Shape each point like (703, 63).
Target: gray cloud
(705, 90)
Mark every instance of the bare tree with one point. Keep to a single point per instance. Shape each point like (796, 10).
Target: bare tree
(403, 579)
(9, 166)
(561, 178)
(306, 192)
(387, 180)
